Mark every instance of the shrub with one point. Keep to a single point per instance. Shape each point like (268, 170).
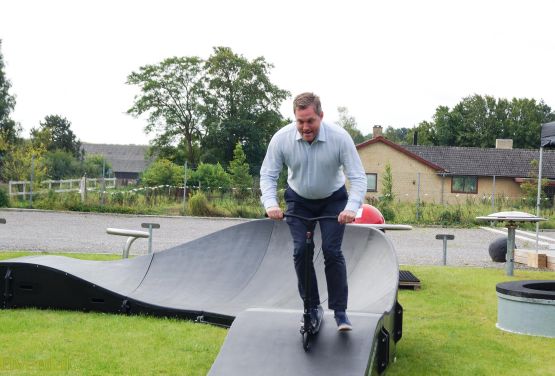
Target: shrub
(163, 172)
(210, 176)
(198, 205)
(4, 198)
(388, 214)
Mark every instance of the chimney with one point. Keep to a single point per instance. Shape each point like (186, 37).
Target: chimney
(415, 137)
(377, 131)
(503, 143)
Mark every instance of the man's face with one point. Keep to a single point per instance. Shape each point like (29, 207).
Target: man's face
(308, 123)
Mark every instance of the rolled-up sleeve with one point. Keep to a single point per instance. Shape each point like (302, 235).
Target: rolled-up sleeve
(269, 173)
(354, 171)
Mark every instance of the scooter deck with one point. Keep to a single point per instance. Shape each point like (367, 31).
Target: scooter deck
(266, 342)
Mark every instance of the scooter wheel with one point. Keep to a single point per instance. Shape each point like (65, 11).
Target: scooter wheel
(306, 343)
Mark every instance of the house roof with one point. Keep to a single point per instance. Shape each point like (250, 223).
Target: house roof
(479, 161)
(402, 150)
(123, 158)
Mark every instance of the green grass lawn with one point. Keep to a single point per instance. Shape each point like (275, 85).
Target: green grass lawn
(448, 329)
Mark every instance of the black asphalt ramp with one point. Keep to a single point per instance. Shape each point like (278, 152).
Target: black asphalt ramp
(243, 273)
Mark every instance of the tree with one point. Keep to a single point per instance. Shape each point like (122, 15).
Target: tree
(349, 123)
(387, 184)
(530, 186)
(55, 134)
(397, 135)
(210, 176)
(479, 120)
(171, 93)
(163, 172)
(425, 134)
(19, 160)
(95, 165)
(525, 117)
(242, 105)
(9, 129)
(239, 170)
(61, 164)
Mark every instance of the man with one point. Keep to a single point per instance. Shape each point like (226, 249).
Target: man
(318, 155)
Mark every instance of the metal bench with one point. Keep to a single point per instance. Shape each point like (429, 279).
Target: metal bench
(445, 237)
(134, 235)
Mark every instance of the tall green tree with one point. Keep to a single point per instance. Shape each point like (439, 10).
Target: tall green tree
(349, 123)
(9, 129)
(524, 120)
(242, 105)
(425, 134)
(171, 94)
(239, 170)
(56, 134)
(17, 163)
(479, 120)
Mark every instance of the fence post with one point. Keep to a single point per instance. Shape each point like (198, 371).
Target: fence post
(442, 188)
(185, 189)
(103, 185)
(32, 178)
(83, 188)
(418, 197)
(493, 196)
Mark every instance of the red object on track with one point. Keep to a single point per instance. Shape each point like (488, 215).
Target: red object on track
(368, 214)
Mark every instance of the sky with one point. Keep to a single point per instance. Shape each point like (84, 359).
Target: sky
(391, 63)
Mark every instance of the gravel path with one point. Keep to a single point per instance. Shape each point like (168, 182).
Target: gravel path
(78, 232)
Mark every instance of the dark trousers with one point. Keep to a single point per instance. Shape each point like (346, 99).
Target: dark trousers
(332, 237)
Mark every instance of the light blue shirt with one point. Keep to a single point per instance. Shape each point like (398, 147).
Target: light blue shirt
(315, 170)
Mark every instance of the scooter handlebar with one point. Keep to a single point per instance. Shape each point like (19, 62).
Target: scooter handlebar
(314, 219)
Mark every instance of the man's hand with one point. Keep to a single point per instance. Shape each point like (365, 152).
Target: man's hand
(274, 212)
(346, 216)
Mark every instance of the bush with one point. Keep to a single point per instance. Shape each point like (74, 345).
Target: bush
(198, 205)
(210, 176)
(163, 172)
(386, 210)
(4, 198)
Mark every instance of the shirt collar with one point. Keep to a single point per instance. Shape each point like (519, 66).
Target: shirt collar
(320, 137)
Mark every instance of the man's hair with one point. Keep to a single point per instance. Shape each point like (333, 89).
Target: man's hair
(305, 100)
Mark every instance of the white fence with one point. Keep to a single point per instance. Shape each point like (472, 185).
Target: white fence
(23, 188)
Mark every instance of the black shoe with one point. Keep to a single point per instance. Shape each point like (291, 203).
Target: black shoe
(343, 323)
(316, 317)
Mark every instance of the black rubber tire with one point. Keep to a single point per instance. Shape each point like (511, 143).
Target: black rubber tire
(306, 341)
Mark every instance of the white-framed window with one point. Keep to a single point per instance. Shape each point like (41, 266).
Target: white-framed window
(371, 182)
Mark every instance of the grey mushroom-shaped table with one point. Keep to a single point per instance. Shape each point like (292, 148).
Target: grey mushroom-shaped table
(511, 220)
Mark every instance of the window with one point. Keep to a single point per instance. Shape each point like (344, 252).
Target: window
(371, 180)
(464, 184)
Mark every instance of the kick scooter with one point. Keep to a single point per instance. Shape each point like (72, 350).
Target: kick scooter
(308, 329)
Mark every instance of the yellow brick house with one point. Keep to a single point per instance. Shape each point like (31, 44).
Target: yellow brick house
(443, 174)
